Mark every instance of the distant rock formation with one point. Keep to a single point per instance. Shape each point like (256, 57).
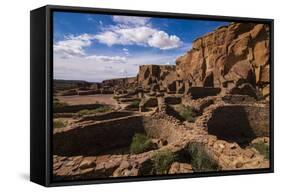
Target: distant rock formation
(228, 57)
(119, 82)
(59, 84)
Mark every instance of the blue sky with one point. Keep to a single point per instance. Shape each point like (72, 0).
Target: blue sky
(95, 47)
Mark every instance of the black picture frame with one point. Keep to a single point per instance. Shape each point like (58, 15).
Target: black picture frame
(41, 58)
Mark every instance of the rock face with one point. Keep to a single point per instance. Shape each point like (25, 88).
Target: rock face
(159, 78)
(228, 57)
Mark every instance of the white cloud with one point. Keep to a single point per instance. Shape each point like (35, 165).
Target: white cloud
(109, 38)
(73, 45)
(135, 35)
(103, 58)
(130, 20)
(126, 51)
(131, 30)
(140, 35)
(162, 40)
(89, 18)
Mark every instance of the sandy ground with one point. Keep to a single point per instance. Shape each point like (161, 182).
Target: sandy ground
(88, 99)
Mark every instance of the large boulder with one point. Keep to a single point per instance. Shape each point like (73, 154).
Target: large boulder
(177, 168)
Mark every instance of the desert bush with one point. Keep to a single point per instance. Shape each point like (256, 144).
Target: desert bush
(140, 143)
(101, 109)
(162, 161)
(187, 113)
(201, 160)
(57, 104)
(59, 124)
(115, 97)
(262, 148)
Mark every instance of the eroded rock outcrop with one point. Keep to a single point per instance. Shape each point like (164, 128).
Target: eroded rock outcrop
(159, 78)
(119, 82)
(228, 57)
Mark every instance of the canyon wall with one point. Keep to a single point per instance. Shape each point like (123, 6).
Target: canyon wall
(229, 57)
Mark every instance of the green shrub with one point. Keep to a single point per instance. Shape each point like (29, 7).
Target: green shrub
(187, 113)
(201, 160)
(57, 104)
(162, 161)
(140, 144)
(135, 104)
(59, 124)
(101, 109)
(262, 148)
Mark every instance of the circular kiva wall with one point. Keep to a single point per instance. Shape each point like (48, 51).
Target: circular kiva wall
(239, 123)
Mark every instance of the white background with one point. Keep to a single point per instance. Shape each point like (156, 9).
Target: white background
(14, 94)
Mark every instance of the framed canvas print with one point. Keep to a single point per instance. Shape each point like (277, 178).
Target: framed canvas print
(120, 95)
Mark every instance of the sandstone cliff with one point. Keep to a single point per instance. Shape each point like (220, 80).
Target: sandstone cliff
(228, 57)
